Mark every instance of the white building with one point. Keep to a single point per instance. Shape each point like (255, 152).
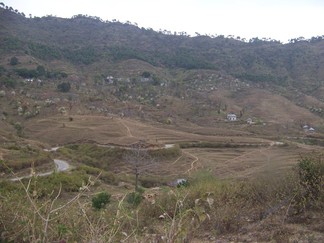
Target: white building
(231, 117)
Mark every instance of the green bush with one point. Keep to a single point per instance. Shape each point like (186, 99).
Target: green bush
(311, 174)
(14, 61)
(64, 87)
(183, 183)
(134, 198)
(100, 200)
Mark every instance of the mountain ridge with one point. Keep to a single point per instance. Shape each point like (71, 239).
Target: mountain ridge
(86, 51)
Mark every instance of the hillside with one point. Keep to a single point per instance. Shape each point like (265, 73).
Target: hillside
(85, 40)
(66, 47)
(122, 106)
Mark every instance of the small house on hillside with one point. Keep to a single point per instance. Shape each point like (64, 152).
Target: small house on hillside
(231, 117)
(110, 79)
(308, 128)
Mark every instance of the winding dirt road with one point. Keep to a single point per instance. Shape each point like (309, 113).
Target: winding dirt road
(61, 165)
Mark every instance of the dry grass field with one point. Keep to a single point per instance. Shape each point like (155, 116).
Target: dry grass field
(252, 156)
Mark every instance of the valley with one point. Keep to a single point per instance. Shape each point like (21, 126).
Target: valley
(179, 138)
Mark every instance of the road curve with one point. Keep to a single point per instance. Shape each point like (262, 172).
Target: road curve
(61, 165)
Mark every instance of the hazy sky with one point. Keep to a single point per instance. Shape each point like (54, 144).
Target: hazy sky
(277, 19)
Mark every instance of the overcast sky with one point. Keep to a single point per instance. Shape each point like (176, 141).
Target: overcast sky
(277, 19)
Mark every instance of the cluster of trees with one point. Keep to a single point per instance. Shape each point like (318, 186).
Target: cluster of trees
(257, 59)
(182, 58)
(43, 51)
(86, 55)
(40, 71)
(31, 73)
(2, 5)
(302, 39)
(5, 80)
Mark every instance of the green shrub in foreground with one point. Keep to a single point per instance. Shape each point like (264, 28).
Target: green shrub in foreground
(100, 200)
(134, 198)
(311, 175)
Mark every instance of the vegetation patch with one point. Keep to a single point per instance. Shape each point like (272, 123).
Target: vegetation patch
(18, 158)
(134, 198)
(100, 200)
(50, 185)
(311, 178)
(93, 155)
(105, 176)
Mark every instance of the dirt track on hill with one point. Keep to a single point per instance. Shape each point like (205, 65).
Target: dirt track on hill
(61, 165)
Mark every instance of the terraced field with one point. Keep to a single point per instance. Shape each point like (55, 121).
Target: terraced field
(247, 162)
(241, 161)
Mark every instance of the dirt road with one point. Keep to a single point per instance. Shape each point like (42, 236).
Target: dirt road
(61, 165)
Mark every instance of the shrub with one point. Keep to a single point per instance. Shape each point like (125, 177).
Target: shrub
(311, 173)
(100, 200)
(134, 198)
(64, 87)
(146, 74)
(182, 183)
(14, 61)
